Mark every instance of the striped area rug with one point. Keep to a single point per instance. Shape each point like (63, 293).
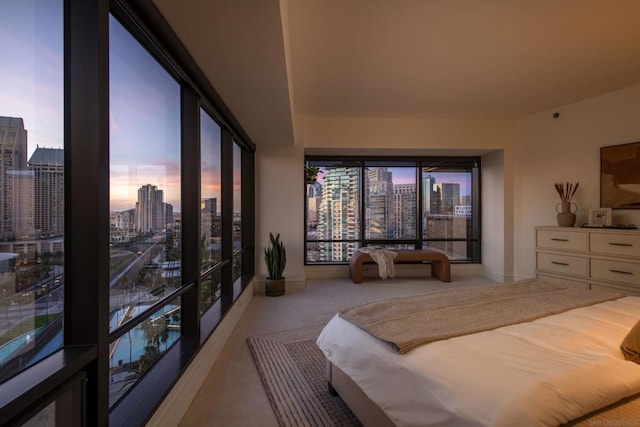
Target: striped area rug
(292, 369)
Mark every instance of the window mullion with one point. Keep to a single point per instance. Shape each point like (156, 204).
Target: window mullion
(190, 155)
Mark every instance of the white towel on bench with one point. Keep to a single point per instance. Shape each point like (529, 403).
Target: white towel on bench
(384, 258)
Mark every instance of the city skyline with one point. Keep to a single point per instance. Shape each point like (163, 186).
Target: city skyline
(32, 88)
(407, 175)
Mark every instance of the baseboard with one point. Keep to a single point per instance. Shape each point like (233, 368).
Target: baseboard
(326, 271)
(289, 284)
(175, 405)
(402, 270)
(499, 276)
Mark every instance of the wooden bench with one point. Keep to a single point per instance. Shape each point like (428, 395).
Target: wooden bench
(440, 265)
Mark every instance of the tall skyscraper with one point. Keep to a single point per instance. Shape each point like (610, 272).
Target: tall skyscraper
(339, 217)
(405, 211)
(379, 194)
(314, 199)
(150, 209)
(47, 165)
(210, 227)
(428, 182)
(168, 215)
(13, 163)
(449, 197)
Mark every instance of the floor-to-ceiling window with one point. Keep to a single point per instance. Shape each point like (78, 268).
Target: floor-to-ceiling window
(144, 207)
(31, 183)
(397, 203)
(121, 224)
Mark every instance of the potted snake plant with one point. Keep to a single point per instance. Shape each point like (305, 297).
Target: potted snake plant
(275, 256)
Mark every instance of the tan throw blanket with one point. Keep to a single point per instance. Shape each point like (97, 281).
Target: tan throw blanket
(409, 322)
(384, 258)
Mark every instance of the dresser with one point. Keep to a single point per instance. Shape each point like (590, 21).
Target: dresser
(589, 258)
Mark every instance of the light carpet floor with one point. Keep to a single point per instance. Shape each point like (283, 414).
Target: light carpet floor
(233, 394)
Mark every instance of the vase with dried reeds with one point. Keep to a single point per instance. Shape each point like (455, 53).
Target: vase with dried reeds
(565, 217)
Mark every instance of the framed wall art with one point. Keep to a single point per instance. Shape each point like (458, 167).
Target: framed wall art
(620, 176)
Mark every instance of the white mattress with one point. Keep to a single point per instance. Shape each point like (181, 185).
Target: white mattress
(545, 372)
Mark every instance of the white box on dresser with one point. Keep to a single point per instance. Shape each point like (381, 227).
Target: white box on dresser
(590, 258)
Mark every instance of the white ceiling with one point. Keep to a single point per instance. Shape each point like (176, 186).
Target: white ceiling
(271, 60)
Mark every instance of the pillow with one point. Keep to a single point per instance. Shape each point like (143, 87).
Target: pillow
(631, 344)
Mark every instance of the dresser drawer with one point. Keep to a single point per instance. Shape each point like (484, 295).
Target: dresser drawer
(566, 240)
(615, 271)
(615, 244)
(563, 264)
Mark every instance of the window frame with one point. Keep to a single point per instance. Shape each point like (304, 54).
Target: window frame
(86, 244)
(473, 163)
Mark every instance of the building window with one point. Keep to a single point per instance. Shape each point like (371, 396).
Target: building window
(145, 239)
(397, 203)
(31, 184)
(210, 209)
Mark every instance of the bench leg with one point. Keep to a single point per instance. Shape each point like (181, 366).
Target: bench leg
(356, 273)
(441, 271)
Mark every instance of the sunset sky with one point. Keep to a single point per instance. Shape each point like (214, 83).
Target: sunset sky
(31, 80)
(144, 119)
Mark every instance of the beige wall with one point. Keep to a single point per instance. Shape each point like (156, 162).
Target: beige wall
(280, 189)
(279, 206)
(549, 150)
(521, 161)
(449, 135)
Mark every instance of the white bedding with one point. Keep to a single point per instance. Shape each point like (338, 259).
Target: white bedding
(545, 372)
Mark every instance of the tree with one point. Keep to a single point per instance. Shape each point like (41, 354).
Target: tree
(156, 333)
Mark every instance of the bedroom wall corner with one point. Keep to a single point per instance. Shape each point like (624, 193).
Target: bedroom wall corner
(280, 206)
(567, 148)
(497, 238)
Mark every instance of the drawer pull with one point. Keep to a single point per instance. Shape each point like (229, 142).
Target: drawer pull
(559, 240)
(621, 244)
(621, 272)
(559, 263)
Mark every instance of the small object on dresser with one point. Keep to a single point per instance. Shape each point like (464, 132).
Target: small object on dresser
(565, 217)
(600, 216)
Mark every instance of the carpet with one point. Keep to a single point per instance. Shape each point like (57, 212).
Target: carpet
(292, 370)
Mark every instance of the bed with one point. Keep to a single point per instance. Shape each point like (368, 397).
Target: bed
(554, 366)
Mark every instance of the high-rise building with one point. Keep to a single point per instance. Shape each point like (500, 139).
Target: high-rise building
(429, 201)
(13, 162)
(449, 196)
(428, 182)
(210, 206)
(405, 211)
(168, 216)
(150, 209)
(339, 217)
(47, 165)
(122, 226)
(314, 199)
(211, 225)
(379, 194)
(211, 230)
